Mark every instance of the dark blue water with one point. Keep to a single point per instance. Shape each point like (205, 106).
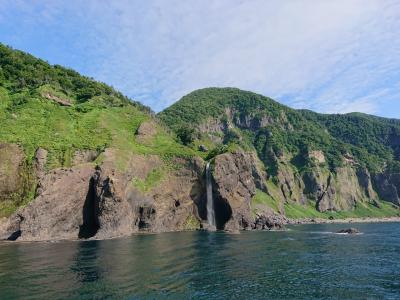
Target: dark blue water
(307, 262)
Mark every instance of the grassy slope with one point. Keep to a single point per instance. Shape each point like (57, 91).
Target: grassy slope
(294, 132)
(297, 211)
(99, 116)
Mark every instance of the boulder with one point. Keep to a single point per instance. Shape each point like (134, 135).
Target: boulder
(61, 101)
(270, 222)
(349, 231)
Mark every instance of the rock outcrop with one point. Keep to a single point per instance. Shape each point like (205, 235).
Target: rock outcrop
(58, 212)
(146, 131)
(236, 177)
(84, 156)
(63, 102)
(107, 201)
(349, 231)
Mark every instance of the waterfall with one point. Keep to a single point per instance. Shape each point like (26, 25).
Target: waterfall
(210, 200)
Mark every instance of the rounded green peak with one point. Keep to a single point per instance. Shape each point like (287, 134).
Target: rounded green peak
(215, 102)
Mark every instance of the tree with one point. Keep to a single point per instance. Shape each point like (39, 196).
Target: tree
(185, 135)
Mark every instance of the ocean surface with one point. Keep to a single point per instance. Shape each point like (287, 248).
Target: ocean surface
(306, 262)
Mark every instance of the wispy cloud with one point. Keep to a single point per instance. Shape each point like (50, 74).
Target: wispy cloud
(330, 56)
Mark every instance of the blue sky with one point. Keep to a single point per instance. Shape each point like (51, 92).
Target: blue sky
(328, 56)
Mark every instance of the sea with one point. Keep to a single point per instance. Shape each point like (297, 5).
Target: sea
(303, 262)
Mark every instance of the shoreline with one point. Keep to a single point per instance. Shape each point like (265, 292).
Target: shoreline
(303, 221)
(342, 221)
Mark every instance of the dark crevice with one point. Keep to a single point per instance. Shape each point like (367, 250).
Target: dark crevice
(18, 232)
(223, 212)
(146, 217)
(14, 236)
(90, 224)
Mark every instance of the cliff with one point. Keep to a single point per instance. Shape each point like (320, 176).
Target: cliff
(80, 160)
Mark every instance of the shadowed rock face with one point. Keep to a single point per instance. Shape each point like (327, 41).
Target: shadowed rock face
(236, 178)
(103, 202)
(387, 186)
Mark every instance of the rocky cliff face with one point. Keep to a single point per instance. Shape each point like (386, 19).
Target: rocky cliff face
(58, 212)
(152, 195)
(268, 162)
(387, 185)
(236, 177)
(86, 201)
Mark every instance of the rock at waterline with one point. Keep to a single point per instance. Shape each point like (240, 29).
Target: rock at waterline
(349, 231)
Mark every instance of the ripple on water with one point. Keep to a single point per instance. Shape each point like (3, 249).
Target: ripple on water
(306, 262)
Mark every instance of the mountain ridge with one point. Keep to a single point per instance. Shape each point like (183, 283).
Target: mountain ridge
(80, 160)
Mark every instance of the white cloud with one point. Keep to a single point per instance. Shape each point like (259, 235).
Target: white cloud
(331, 56)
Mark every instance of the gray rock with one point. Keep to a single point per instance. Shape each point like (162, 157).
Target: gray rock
(84, 156)
(57, 213)
(349, 231)
(387, 186)
(236, 178)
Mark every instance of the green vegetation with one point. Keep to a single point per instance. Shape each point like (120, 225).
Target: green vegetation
(298, 211)
(257, 122)
(154, 177)
(22, 73)
(261, 198)
(191, 223)
(57, 109)
(225, 119)
(99, 116)
(93, 117)
(363, 210)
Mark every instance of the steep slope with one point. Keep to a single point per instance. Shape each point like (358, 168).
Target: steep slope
(315, 165)
(79, 159)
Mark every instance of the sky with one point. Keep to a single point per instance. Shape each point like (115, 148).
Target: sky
(328, 56)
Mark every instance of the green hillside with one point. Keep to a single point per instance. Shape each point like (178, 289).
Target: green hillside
(61, 111)
(96, 117)
(369, 139)
(304, 154)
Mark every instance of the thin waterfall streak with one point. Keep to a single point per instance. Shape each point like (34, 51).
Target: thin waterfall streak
(210, 200)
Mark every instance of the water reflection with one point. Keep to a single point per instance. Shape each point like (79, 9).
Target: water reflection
(85, 264)
(307, 262)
